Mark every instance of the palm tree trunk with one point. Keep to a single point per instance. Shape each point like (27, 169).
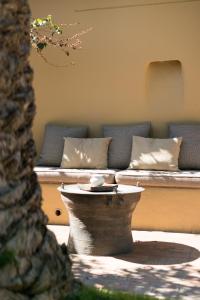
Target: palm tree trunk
(37, 268)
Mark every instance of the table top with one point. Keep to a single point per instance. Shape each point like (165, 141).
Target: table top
(122, 189)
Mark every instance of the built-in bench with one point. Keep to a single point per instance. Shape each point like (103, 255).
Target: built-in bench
(171, 200)
(180, 179)
(70, 176)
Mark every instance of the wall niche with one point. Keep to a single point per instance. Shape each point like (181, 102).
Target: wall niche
(164, 90)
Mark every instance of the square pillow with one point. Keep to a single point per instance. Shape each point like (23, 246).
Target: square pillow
(90, 153)
(155, 154)
(53, 143)
(119, 153)
(190, 148)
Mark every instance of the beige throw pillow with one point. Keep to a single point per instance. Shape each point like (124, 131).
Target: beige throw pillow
(155, 154)
(89, 153)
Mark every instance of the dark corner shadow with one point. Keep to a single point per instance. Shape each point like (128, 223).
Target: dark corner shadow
(160, 253)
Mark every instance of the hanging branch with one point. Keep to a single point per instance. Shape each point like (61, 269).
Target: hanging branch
(44, 32)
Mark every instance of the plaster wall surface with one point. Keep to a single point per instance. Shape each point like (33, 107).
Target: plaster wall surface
(168, 209)
(109, 82)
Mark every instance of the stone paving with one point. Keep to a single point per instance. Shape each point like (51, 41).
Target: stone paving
(162, 264)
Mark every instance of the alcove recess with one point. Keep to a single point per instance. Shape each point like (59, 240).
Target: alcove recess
(164, 93)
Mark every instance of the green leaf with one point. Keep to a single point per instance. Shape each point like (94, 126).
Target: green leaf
(41, 46)
(49, 18)
(39, 22)
(59, 31)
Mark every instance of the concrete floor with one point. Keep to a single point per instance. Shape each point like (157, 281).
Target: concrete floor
(162, 264)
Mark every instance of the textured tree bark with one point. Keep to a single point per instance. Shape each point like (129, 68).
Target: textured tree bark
(41, 269)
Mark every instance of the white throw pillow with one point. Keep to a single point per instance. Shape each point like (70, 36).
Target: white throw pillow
(89, 153)
(155, 154)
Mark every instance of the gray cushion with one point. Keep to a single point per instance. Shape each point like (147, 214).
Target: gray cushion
(119, 153)
(189, 157)
(53, 144)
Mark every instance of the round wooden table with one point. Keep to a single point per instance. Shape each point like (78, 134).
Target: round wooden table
(100, 222)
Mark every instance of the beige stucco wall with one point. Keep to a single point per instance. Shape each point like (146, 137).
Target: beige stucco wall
(167, 209)
(110, 81)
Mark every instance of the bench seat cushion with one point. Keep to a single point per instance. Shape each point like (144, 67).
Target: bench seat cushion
(179, 179)
(59, 175)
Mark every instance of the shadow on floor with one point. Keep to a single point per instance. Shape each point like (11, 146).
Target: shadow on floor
(161, 269)
(174, 283)
(160, 253)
